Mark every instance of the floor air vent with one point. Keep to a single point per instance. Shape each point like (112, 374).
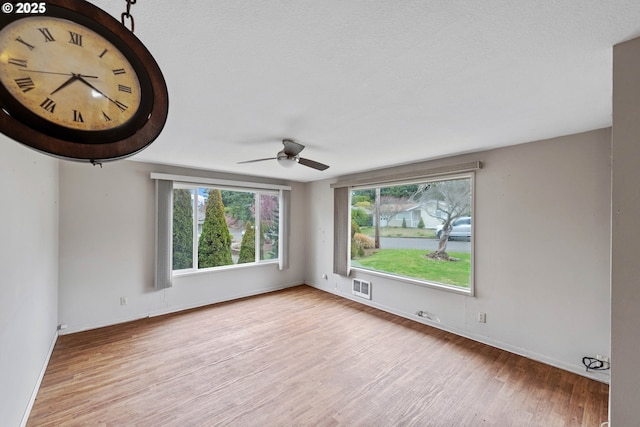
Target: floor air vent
(361, 288)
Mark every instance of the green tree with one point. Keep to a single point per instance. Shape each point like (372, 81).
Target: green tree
(421, 223)
(248, 245)
(361, 217)
(238, 204)
(214, 246)
(360, 198)
(182, 229)
(355, 228)
(400, 191)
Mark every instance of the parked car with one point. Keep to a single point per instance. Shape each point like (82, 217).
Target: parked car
(460, 228)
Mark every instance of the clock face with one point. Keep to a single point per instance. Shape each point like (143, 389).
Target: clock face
(68, 74)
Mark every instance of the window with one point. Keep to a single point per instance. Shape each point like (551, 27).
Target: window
(216, 227)
(417, 231)
(206, 224)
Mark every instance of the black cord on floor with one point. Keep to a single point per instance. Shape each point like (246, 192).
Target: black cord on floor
(593, 364)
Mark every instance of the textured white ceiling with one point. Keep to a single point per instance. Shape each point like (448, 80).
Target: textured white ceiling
(373, 83)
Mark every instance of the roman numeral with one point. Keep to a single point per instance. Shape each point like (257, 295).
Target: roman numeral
(105, 117)
(103, 53)
(49, 105)
(25, 83)
(47, 35)
(118, 71)
(18, 62)
(121, 106)
(77, 116)
(19, 39)
(123, 88)
(75, 38)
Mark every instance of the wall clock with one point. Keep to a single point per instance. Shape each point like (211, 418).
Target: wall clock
(76, 83)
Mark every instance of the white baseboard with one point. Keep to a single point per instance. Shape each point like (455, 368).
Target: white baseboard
(178, 309)
(71, 329)
(36, 387)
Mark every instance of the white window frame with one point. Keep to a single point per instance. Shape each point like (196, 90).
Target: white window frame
(470, 291)
(419, 172)
(257, 226)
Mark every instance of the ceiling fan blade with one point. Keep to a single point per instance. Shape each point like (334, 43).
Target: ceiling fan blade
(313, 164)
(258, 160)
(292, 148)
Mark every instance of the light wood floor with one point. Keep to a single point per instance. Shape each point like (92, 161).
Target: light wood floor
(301, 357)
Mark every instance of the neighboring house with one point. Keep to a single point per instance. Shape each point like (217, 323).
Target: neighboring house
(431, 215)
(411, 217)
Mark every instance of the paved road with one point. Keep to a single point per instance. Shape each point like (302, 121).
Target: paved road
(423, 243)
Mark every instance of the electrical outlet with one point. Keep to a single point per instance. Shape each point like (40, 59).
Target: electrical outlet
(123, 301)
(325, 277)
(602, 358)
(482, 317)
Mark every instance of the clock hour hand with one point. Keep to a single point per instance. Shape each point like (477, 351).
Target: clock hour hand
(72, 79)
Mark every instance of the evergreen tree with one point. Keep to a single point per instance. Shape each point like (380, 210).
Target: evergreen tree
(238, 204)
(248, 245)
(182, 229)
(214, 246)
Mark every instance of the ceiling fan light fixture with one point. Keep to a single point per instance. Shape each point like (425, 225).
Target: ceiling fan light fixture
(285, 160)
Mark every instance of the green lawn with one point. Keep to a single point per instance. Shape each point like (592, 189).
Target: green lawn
(399, 232)
(414, 264)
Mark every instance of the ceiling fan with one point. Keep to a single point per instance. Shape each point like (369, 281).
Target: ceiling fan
(290, 155)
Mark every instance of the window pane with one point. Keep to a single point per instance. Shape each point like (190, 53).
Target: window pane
(269, 226)
(240, 211)
(419, 231)
(214, 240)
(182, 229)
(202, 203)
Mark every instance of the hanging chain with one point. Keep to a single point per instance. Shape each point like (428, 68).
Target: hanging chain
(127, 15)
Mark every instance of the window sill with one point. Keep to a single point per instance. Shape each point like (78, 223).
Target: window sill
(191, 272)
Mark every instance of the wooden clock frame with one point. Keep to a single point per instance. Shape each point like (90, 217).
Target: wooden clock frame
(22, 125)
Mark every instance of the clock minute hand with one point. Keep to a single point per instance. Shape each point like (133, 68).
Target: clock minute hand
(80, 78)
(59, 74)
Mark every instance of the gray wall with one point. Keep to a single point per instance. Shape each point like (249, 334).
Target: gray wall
(107, 241)
(625, 268)
(29, 283)
(542, 223)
